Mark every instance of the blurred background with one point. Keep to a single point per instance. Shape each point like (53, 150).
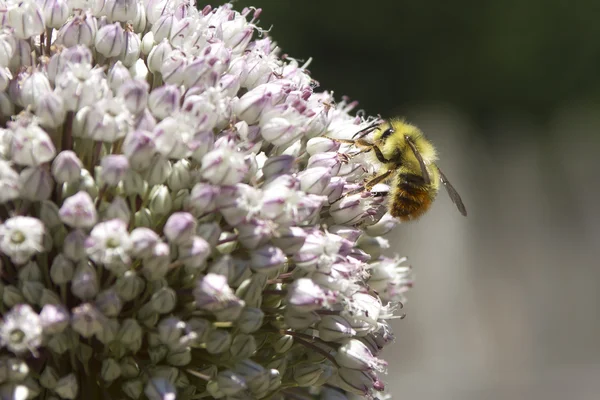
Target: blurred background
(506, 301)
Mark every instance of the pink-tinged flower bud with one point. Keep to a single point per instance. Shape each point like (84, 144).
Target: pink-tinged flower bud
(203, 198)
(173, 67)
(145, 121)
(85, 283)
(33, 86)
(159, 171)
(79, 30)
(281, 125)
(120, 10)
(5, 77)
(267, 259)
(118, 75)
(349, 210)
(110, 40)
(229, 84)
(237, 33)
(278, 165)
(254, 233)
(357, 382)
(56, 13)
(140, 21)
(7, 48)
(162, 28)
(80, 85)
(194, 253)
(158, 55)
(305, 296)
(329, 160)
(223, 166)
(250, 106)
(22, 56)
(86, 320)
(180, 227)
(321, 145)
(36, 183)
(139, 148)
(31, 145)
(54, 318)
(132, 48)
(333, 328)
(135, 94)
(143, 241)
(66, 167)
(290, 240)
(300, 319)
(156, 263)
(74, 245)
(314, 180)
(78, 211)
(212, 293)
(50, 110)
(205, 70)
(10, 186)
(26, 19)
(164, 101)
(114, 167)
(118, 209)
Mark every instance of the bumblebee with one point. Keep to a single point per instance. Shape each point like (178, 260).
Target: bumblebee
(407, 161)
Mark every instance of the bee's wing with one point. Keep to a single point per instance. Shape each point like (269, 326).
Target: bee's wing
(424, 171)
(454, 196)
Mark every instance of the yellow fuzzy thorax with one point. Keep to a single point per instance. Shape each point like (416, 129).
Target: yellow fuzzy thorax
(394, 145)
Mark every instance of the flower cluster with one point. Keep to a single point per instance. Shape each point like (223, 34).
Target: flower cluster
(173, 217)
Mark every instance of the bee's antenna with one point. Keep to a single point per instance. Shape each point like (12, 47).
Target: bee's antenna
(368, 129)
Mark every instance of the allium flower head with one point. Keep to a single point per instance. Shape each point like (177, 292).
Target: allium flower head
(175, 222)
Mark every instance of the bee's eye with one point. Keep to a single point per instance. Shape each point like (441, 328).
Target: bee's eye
(387, 133)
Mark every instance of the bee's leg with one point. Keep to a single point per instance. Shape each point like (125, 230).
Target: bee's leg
(378, 179)
(369, 184)
(365, 146)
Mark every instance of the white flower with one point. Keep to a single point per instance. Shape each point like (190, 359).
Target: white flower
(79, 211)
(21, 238)
(109, 244)
(31, 145)
(21, 330)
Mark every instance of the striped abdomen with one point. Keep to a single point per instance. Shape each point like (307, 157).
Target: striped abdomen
(411, 197)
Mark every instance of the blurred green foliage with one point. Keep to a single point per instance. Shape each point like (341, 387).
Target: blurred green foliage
(483, 57)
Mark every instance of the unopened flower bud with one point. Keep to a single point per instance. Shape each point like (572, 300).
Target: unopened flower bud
(56, 13)
(129, 286)
(36, 183)
(86, 320)
(114, 169)
(79, 211)
(242, 346)
(160, 389)
(218, 341)
(61, 270)
(109, 302)
(26, 19)
(180, 227)
(110, 40)
(267, 259)
(164, 300)
(85, 283)
(67, 387)
(250, 320)
(131, 48)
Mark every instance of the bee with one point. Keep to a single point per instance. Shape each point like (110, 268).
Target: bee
(407, 161)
